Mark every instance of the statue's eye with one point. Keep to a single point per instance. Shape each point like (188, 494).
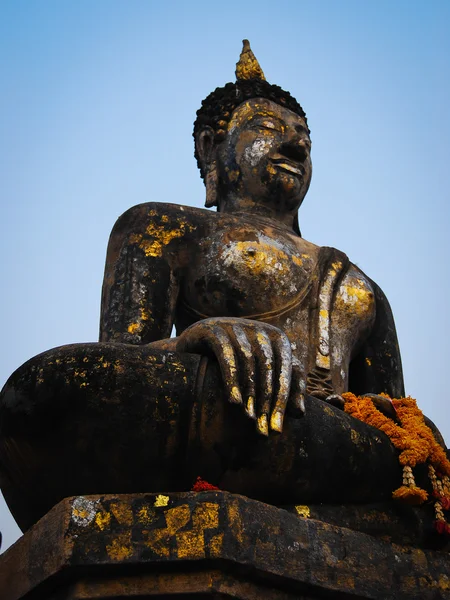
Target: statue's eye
(268, 124)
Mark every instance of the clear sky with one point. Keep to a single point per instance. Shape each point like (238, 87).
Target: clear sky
(96, 111)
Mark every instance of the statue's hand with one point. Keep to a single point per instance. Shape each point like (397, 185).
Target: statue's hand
(383, 404)
(256, 363)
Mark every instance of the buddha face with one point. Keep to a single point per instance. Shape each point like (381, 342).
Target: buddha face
(265, 158)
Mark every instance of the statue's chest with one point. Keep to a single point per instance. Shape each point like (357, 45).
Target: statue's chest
(248, 273)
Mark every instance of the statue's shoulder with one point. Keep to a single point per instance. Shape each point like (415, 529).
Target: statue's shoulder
(141, 214)
(357, 279)
(156, 216)
(356, 276)
(352, 281)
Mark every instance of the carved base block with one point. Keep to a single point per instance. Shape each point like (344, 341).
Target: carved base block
(208, 545)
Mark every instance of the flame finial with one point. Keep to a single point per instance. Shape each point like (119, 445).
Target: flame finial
(248, 67)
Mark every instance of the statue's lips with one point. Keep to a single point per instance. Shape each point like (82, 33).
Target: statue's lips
(289, 166)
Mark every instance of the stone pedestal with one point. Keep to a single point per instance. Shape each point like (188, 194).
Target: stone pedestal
(208, 545)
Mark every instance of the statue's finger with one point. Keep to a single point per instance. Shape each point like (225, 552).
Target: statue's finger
(208, 339)
(383, 404)
(298, 385)
(226, 357)
(336, 400)
(265, 363)
(246, 362)
(262, 424)
(193, 339)
(283, 361)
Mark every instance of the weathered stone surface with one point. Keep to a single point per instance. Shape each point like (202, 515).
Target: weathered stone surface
(212, 544)
(85, 418)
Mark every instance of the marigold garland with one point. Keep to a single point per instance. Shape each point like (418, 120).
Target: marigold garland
(417, 445)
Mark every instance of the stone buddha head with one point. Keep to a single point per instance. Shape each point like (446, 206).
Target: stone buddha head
(252, 145)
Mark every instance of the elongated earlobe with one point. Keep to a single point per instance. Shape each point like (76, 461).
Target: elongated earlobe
(205, 147)
(211, 184)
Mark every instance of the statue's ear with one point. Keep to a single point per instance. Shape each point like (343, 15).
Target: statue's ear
(206, 151)
(205, 146)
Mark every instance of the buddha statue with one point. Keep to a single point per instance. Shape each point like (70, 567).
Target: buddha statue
(271, 331)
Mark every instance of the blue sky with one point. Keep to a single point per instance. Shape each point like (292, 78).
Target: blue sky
(96, 111)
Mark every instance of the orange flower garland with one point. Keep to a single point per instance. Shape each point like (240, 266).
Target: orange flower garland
(417, 445)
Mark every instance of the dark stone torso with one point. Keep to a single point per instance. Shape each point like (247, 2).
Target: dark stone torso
(173, 265)
(246, 267)
(248, 271)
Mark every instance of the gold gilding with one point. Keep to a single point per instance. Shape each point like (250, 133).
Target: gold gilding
(80, 513)
(357, 296)
(303, 511)
(122, 512)
(236, 397)
(78, 373)
(118, 366)
(134, 328)
(257, 257)
(158, 541)
(135, 238)
(120, 547)
(161, 500)
(276, 422)
(144, 316)
(103, 520)
(248, 67)
(323, 361)
(215, 545)
(177, 517)
(189, 535)
(206, 515)
(263, 424)
(191, 544)
(161, 237)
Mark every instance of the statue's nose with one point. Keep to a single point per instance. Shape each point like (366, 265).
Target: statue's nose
(295, 146)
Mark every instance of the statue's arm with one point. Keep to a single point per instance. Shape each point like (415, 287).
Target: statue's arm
(140, 287)
(378, 367)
